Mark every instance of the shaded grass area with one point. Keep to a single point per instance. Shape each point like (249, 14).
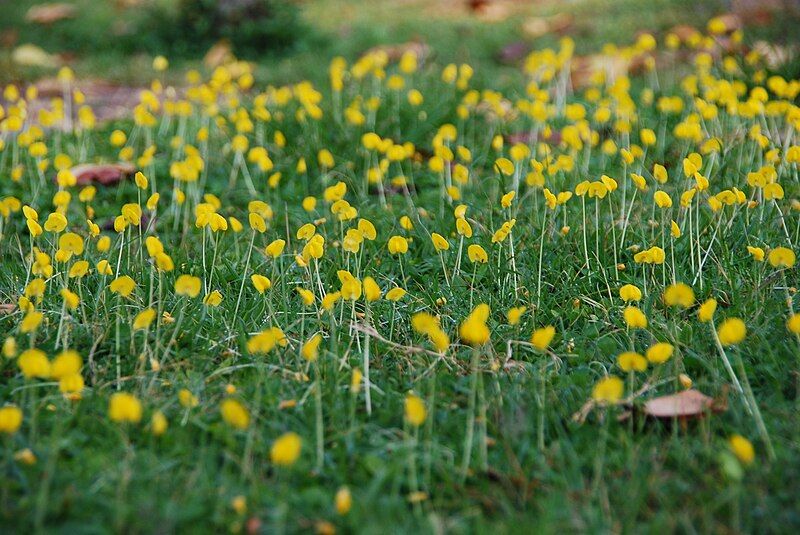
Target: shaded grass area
(348, 28)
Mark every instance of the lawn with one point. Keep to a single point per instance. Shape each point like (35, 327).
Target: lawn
(425, 291)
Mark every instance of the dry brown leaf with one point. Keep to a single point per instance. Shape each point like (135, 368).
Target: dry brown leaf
(759, 12)
(514, 52)
(7, 308)
(29, 55)
(685, 404)
(684, 31)
(583, 67)
(529, 138)
(50, 13)
(219, 54)
(103, 174)
(395, 52)
(535, 27)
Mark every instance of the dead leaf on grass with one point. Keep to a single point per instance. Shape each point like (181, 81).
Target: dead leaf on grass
(103, 174)
(50, 13)
(685, 404)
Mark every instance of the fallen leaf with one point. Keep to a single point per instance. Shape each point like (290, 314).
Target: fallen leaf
(395, 52)
(583, 67)
(774, 55)
(494, 11)
(535, 27)
(50, 13)
(529, 138)
(7, 308)
(732, 21)
(29, 55)
(685, 404)
(103, 174)
(758, 12)
(684, 32)
(513, 52)
(219, 54)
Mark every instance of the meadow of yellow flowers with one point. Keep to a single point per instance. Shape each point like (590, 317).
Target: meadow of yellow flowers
(400, 302)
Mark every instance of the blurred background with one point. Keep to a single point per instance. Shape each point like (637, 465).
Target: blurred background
(114, 41)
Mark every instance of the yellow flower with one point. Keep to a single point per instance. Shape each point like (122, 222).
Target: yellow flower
(187, 285)
(395, 294)
(158, 423)
(477, 254)
(141, 180)
(330, 299)
(71, 242)
(659, 353)
(160, 63)
(71, 299)
(66, 363)
(415, 411)
(514, 314)
(187, 399)
(635, 318)
(793, 323)
(31, 321)
(706, 311)
(675, 230)
(742, 448)
(124, 407)
(309, 203)
(542, 337)
(781, 257)
(25, 456)
(152, 201)
(756, 252)
(234, 414)
(507, 199)
(122, 285)
(257, 222)
(275, 248)
(10, 419)
(662, 199)
(266, 340)
(33, 364)
(463, 227)
(629, 293)
(343, 501)
(473, 329)
(213, 299)
(9, 347)
(679, 294)
(355, 381)
(306, 295)
(286, 449)
(310, 350)
(631, 361)
(439, 242)
(608, 390)
(731, 332)
(398, 245)
(163, 262)
(71, 386)
(260, 283)
(372, 291)
(504, 166)
(78, 269)
(56, 222)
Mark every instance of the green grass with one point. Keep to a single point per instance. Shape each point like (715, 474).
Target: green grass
(341, 27)
(543, 470)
